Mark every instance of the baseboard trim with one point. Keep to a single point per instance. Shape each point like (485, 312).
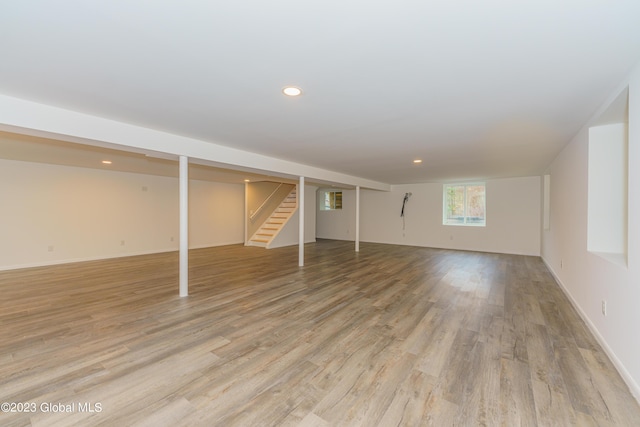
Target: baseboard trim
(634, 388)
(105, 257)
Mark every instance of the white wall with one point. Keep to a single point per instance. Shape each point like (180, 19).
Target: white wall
(513, 218)
(51, 214)
(337, 224)
(216, 214)
(586, 277)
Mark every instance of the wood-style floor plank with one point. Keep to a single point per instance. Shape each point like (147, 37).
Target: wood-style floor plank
(388, 336)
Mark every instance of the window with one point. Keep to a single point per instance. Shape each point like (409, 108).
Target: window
(332, 200)
(546, 202)
(608, 183)
(464, 204)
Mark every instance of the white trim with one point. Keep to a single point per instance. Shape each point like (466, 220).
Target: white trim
(465, 185)
(634, 388)
(300, 197)
(246, 213)
(357, 218)
(107, 257)
(184, 226)
(31, 118)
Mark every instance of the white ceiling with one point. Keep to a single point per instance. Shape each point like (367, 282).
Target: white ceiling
(477, 89)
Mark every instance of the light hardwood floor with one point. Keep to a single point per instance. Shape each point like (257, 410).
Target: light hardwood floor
(392, 335)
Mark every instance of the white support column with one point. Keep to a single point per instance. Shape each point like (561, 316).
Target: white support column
(184, 226)
(357, 218)
(301, 222)
(246, 213)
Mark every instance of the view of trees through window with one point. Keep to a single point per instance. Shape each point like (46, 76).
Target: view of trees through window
(332, 200)
(464, 204)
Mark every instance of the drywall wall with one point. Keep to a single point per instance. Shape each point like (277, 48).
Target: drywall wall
(588, 278)
(216, 214)
(339, 224)
(53, 214)
(513, 218)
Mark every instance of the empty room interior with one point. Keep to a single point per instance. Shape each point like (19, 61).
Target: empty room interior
(320, 213)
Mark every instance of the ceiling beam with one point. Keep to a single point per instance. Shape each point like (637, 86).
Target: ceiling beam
(31, 118)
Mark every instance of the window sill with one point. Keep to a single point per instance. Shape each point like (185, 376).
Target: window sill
(614, 258)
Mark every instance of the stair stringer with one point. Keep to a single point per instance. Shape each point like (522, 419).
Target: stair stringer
(288, 233)
(276, 221)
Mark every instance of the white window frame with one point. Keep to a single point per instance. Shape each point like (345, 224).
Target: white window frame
(465, 217)
(327, 207)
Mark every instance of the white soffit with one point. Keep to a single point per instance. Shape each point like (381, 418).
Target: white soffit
(475, 89)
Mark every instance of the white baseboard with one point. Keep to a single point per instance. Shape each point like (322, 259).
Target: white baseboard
(104, 257)
(634, 388)
(72, 260)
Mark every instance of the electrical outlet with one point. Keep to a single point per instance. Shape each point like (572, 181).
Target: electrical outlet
(604, 307)
(50, 248)
(561, 264)
(121, 242)
(172, 238)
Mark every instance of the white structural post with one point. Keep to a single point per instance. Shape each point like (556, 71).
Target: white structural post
(301, 222)
(357, 218)
(246, 213)
(184, 226)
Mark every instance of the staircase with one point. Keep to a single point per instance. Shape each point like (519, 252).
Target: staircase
(272, 226)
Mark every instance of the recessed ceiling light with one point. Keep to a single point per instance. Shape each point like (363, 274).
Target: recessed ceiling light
(106, 162)
(417, 161)
(247, 180)
(292, 91)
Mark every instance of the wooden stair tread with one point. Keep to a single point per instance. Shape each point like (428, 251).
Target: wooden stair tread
(267, 232)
